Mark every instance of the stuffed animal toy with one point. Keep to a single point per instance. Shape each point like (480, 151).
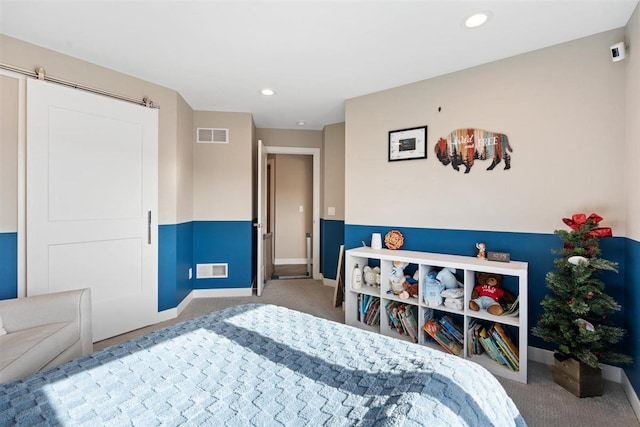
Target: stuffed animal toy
(369, 276)
(432, 289)
(489, 295)
(397, 279)
(448, 279)
(411, 286)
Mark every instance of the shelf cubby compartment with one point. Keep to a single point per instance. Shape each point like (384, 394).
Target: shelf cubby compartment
(427, 301)
(368, 311)
(495, 346)
(444, 331)
(387, 280)
(400, 320)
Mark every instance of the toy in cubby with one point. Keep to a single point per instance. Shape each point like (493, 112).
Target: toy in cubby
(442, 287)
(402, 284)
(371, 276)
(489, 295)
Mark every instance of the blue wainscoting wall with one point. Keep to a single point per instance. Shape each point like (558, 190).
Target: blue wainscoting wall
(224, 242)
(331, 237)
(631, 305)
(184, 260)
(533, 248)
(175, 257)
(167, 266)
(8, 265)
(182, 246)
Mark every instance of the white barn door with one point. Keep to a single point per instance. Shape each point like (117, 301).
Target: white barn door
(92, 197)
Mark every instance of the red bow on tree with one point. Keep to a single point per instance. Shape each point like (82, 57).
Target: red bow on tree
(578, 220)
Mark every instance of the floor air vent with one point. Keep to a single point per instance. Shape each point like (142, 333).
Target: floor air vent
(211, 271)
(213, 136)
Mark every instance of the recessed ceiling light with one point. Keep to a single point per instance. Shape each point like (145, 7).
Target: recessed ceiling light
(477, 20)
(301, 123)
(267, 92)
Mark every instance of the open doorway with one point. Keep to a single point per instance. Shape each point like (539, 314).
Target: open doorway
(314, 154)
(290, 213)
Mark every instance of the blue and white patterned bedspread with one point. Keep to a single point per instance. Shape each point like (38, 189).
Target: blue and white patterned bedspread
(261, 365)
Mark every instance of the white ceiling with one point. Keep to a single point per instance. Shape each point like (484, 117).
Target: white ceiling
(314, 54)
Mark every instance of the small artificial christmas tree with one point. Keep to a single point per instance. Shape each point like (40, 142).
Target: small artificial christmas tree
(575, 314)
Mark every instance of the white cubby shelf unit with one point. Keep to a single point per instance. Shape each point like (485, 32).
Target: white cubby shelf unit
(466, 269)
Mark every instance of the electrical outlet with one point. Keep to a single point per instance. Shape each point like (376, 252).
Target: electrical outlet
(190, 273)
(301, 208)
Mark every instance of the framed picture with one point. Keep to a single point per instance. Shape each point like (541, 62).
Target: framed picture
(408, 144)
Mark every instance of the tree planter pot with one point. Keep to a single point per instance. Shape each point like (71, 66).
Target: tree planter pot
(577, 377)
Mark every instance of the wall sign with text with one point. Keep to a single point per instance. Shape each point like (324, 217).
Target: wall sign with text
(463, 147)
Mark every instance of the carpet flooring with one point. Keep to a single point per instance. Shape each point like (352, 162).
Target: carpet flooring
(541, 402)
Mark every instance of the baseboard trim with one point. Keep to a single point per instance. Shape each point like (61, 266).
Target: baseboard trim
(165, 315)
(631, 394)
(289, 261)
(223, 292)
(609, 373)
(185, 302)
(329, 282)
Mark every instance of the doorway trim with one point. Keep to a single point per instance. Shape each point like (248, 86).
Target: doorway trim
(315, 235)
(21, 181)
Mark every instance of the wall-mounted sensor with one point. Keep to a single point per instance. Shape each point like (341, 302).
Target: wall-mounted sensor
(617, 52)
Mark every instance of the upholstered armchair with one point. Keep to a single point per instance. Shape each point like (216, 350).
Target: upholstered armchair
(43, 331)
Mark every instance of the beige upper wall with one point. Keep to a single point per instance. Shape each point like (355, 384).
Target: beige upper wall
(254, 170)
(290, 137)
(8, 154)
(333, 171)
(563, 110)
(222, 173)
(24, 55)
(293, 188)
(184, 181)
(632, 121)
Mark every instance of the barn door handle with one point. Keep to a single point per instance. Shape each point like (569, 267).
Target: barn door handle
(149, 227)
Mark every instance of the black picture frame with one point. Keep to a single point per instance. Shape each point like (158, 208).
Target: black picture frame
(408, 144)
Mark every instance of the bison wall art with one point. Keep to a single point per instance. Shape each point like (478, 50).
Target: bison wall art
(463, 146)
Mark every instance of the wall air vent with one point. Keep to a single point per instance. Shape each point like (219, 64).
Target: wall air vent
(212, 136)
(212, 271)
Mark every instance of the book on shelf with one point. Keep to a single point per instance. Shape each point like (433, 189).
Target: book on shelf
(506, 345)
(373, 312)
(490, 347)
(495, 345)
(474, 346)
(368, 309)
(512, 309)
(402, 317)
(453, 327)
(411, 319)
(434, 329)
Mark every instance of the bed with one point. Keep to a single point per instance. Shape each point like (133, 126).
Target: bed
(257, 364)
